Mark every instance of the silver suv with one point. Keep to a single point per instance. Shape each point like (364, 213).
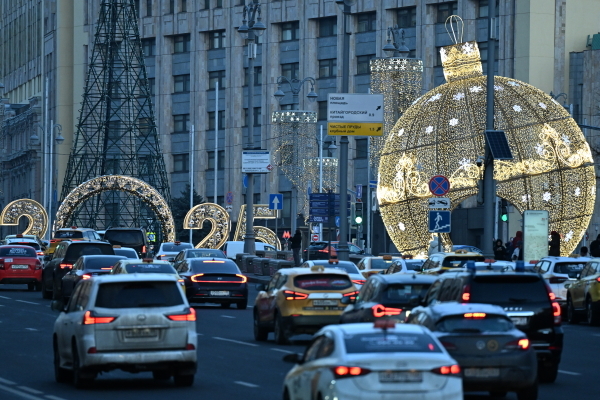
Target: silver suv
(133, 322)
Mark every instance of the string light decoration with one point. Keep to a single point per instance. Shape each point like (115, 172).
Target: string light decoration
(219, 220)
(442, 133)
(34, 211)
(127, 184)
(262, 233)
(400, 80)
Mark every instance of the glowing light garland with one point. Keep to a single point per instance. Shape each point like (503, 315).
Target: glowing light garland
(219, 220)
(442, 134)
(34, 211)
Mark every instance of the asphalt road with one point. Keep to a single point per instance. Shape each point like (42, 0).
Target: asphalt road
(231, 364)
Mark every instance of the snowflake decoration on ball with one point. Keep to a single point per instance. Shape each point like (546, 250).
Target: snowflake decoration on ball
(401, 226)
(544, 106)
(566, 139)
(435, 97)
(547, 196)
(498, 88)
(459, 96)
(577, 191)
(429, 129)
(464, 163)
(539, 149)
(475, 89)
(468, 48)
(517, 108)
(401, 132)
(569, 236)
(513, 83)
(525, 198)
(453, 122)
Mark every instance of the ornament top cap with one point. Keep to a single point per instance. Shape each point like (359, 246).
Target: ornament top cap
(461, 61)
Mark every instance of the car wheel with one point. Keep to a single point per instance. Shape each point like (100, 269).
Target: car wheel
(531, 393)
(161, 375)
(593, 315)
(572, 316)
(46, 294)
(56, 291)
(30, 287)
(260, 333)
(286, 394)
(61, 375)
(281, 334)
(548, 374)
(498, 394)
(242, 305)
(184, 380)
(81, 379)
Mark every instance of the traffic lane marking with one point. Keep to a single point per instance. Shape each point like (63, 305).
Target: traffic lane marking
(6, 381)
(19, 393)
(282, 351)
(28, 302)
(235, 341)
(251, 385)
(227, 316)
(569, 372)
(4, 297)
(49, 396)
(30, 390)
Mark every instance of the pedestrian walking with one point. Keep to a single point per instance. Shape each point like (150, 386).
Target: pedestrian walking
(518, 238)
(595, 247)
(554, 244)
(499, 251)
(297, 246)
(518, 252)
(583, 252)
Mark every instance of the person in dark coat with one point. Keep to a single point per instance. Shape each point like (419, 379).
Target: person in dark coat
(595, 247)
(583, 252)
(518, 238)
(297, 246)
(554, 244)
(499, 251)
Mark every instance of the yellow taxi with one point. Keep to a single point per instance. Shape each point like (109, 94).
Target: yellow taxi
(438, 263)
(374, 265)
(72, 233)
(300, 300)
(146, 265)
(583, 295)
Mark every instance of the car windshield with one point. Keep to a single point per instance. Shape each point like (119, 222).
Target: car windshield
(68, 235)
(380, 263)
(508, 289)
(459, 262)
(175, 247)
(402, 293)
(149, 268)
(214, 266)
(17, 252)
(413, 265)
(569, 268)
(101, 262)
(317, 246)
(205, 253)
(460, 323)
(322, 282)
(78, 249)
(390, 342)
(139, 294)
(128, 238)
(129, 253)
(349, 267)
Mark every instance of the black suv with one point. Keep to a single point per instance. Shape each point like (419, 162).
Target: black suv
(525, 297)
(65, 255)
(135, 238)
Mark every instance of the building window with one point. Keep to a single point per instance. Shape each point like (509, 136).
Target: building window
(290, 31)
(328, 26)
(290, 70)
(322, 112)
(286, 107)
(256, 119)
(149, 47)
(148, 8)
(211, 160)
(363, 64)
(438, 57)
(362, 147)
(484, 9)
(181, 162)
(171, 6)
(367, 22)
(183, 6)
(328, 68)
(407, 17)
(216, 40)
(257, 76)
(214, 77)
(211, 120)
(181, 43)
(152, 86)
(181, 123)
(136, 7)
(206, 4)
(484, 53)
(444, 10)
(112, 166)
(181, 83)
(219, 4)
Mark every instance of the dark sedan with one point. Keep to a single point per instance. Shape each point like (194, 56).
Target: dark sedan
(387, 296)
(212, 280)
(86, 267)
(196, 253)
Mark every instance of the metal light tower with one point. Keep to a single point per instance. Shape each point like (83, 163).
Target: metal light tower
(251, 27)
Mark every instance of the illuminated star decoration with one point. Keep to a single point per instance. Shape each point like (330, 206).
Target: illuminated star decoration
(569, 236)
(401, 132)
(429, 129)
(547, 196)
(464, 163)
(401, 226)
(459, 96)
(542, 105)
(539, 149)
(475, 89)
(525, 198)
(566, 139)
(453, 122)
(577, 191)
(517, 108)
(436, 97)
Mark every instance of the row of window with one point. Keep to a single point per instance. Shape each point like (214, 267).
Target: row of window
(181, 6)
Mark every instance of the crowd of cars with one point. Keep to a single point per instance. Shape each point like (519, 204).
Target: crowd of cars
(386, 327)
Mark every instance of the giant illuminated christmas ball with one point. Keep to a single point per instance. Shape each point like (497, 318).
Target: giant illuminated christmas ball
(442, 133)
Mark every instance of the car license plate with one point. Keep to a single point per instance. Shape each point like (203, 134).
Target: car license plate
(219, 292)
(519, 320)
(325, 302)
(141, 333)
(400, 377)
(482, 372)
(20, 266)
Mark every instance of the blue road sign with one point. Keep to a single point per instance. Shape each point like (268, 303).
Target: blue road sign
(439, 185)
(245, 181)
(373, 184)
(359, 191)
(318, 219)
(337, 221)
(275, 201)
(439, 221)
(319, 197)
(319, 211)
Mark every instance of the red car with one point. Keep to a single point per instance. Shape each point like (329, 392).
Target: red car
(19, 265)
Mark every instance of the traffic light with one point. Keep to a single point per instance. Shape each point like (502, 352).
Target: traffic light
(504, 211)
(358, 213)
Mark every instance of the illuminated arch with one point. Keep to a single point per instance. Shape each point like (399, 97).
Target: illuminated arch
(127, 184)
(34, 211)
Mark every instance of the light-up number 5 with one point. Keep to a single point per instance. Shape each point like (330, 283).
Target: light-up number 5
(261, 233)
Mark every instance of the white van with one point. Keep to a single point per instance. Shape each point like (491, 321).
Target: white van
(231, 249)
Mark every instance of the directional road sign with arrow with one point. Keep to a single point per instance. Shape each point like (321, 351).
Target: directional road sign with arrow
(275, 201)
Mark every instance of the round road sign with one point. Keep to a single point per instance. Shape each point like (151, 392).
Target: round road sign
(315, 237)
(439, 185)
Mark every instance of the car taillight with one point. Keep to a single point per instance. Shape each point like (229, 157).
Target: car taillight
(90, 318)
(352, 295)
(342, 371)
(190, 346)
(359, 281)
(38, 265)
(477, 315)
(143, 249)
(63, 266)
(466, 295)
(598, 279)
(40, 253)
(520, 344)
(189, 316)
(86, 276)
(291, 295)
(380, 310)
(555, 306)
(556, 279)
(447, 370)
(198, 278)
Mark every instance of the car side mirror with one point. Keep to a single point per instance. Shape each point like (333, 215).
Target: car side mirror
(293, 358)
(261, 287)
(347, 300)
(58, 305)
(567, 285)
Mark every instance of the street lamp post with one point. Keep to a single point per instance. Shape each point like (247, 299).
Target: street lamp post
(395, 35)
(251, 27)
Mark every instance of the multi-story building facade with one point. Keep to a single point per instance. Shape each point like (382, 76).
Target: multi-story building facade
(190, 46)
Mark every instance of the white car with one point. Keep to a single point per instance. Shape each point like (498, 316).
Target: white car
(231, 249)
(374, 265)
(133, 322)
(357, 278)
(557, 271)
(366, 362)
(169, 250)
